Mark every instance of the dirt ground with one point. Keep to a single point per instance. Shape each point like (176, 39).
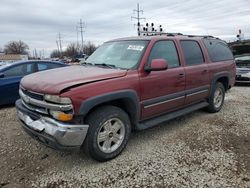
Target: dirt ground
(197, 150)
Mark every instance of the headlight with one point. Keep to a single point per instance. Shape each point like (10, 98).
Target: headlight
(62, 116)
(57, 99)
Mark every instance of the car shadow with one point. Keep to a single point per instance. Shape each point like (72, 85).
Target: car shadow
(242, 84)
(7, 106)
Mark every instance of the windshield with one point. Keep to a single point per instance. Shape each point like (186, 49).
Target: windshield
(119, 54)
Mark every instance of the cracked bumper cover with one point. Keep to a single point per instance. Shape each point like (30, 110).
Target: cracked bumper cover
(50, 132)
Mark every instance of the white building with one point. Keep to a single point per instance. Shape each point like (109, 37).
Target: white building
(12, 57)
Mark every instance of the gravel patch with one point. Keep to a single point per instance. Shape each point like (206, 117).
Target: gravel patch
(197, 150)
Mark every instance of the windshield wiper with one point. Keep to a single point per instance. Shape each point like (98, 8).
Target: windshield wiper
(105, 65)
(86, 63)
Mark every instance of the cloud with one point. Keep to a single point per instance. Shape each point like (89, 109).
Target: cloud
(38, 22)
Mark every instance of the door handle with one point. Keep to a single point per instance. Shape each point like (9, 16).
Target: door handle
(205, 71)
(181, 75)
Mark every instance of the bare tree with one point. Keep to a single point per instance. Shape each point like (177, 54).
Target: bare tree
(72, 50)
(89, 48)
(55, 54)
(16, 47)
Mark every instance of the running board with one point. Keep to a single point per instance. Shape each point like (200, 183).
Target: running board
(160, 119)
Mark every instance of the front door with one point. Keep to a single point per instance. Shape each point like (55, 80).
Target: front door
(162, 91)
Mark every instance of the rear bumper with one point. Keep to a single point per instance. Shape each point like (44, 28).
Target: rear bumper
(50, 132)
(243, 75)
(243, 78)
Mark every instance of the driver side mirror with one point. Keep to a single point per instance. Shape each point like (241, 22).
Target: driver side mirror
(1, 75)
(157, 65)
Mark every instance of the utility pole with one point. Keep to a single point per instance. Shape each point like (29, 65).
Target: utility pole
(60, 42)
(77, 42)
(138, 11)
(57, 46)
(81, 26)
(35, 54)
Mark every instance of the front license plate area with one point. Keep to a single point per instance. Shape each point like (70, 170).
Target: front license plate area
(37, 125)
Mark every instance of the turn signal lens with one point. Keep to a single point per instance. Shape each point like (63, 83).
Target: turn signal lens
(61, 115)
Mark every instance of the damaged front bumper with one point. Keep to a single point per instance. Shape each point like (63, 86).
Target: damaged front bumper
(50, 132)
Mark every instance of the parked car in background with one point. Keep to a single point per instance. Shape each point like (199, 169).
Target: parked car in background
(12, 73)
(243, 68)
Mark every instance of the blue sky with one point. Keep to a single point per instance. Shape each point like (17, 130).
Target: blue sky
(38, 22)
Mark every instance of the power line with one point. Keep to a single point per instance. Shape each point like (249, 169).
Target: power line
(138, 11)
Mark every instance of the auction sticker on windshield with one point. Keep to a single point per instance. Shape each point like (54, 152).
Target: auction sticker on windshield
(135, 47)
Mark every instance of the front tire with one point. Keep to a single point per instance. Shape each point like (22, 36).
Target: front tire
(216, 100)
(108, 134)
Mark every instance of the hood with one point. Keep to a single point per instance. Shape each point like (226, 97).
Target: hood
(55, 80)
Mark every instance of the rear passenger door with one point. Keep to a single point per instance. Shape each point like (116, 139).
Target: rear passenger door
(196, 71)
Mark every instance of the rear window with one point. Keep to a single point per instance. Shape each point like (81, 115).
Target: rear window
(218, 50)
(45, 66)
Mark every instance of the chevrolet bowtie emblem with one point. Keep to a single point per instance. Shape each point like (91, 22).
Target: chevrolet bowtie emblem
(26, 99)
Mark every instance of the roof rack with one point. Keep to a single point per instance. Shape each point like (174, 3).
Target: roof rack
(153, 33)
(175, 34)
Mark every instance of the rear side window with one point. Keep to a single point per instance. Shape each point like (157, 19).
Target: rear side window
(218, 50)
(165, 50)
(46, 66)
(192, 53)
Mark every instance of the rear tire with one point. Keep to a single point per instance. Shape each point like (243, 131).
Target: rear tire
(216, 100)
(108, 134)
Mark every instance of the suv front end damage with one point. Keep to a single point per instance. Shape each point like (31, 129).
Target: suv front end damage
(49, 122)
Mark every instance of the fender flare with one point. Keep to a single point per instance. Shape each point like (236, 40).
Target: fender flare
(129, 95)
(216, 77)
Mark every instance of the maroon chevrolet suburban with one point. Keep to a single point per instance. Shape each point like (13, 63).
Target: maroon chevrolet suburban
(126, 84)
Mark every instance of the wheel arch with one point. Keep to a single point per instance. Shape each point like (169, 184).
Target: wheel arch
(222, 77)
(127, 100)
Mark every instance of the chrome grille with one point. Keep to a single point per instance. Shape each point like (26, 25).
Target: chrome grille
(35, 108)
(34, 95)
(35, 102)
(25, 95)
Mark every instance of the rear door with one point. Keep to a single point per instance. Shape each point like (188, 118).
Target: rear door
(196, 71)
(162, 91)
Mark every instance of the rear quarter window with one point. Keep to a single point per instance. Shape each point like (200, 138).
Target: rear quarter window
(218, 50)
